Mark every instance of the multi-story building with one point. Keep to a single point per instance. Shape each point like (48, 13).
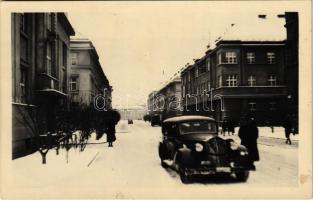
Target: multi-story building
(292, 63)
(167, 101)
(87, 79)
(132, 112)
(240, 76)
(150, 102)
(40, 68)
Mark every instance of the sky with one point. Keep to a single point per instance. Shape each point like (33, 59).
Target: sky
(142, 44)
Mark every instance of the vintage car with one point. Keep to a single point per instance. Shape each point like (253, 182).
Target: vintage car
(191, 145)
(130, 121)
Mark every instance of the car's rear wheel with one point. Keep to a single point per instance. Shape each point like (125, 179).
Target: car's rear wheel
(163, 164)
(184, 177)
(242, 176)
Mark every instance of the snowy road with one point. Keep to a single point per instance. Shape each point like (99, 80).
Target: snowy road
(134, 163)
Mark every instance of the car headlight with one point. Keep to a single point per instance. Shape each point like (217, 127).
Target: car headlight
(198, 147)
(243, 153)
(234, 145)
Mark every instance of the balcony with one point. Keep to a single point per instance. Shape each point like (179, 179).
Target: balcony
(49, 85)
(247, 91)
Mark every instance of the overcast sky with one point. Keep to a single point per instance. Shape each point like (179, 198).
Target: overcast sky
(136, 41)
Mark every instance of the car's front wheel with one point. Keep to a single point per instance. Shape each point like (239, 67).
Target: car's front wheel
(163, 164)
(184, 177)
(242, 176)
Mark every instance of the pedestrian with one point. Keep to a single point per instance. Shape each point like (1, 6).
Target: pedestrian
(248, 134)
(287, 126)
(112, 119)
(231, 127)
(110, 131)
(224, 126)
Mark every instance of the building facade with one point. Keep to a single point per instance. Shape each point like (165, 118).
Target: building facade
(167, 101)
(292, 64)
(88, 82)
(239, 77)
(133, 113)
(40, 72)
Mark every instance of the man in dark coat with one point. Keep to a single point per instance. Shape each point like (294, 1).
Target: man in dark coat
(287, 126)
(112, 119)
(248, 133)
(231, 126)
(110, 131)
(224, 126)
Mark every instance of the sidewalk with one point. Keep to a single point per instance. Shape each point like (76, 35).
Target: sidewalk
(279, 133)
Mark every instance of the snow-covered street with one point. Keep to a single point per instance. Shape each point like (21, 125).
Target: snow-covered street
(133, 162)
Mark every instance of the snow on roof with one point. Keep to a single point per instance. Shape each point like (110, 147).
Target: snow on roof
(187, 118)
(270, 28)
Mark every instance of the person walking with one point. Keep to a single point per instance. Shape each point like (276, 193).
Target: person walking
(224, 126)
(287, 126)
(110, 131)
(113, 117)
(248, 134)
(231, 127)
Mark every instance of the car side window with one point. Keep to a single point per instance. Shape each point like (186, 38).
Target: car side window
(172, 129)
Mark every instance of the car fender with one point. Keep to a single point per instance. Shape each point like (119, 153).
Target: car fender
(185, 157)
(242, 148)
(161, 150)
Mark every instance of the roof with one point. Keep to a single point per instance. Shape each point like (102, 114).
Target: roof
(270, 28)
(66, 23)
(187, 118)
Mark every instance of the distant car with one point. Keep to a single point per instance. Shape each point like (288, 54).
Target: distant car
(191, 146)
(130, 121)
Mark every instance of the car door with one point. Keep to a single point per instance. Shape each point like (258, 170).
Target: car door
(169, 139)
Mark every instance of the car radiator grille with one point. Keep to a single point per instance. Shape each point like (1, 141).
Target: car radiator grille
(217, 150)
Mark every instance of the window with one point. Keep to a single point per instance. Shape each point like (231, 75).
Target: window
(252, 106)
(219, 58)
(23, 23)
(24, 39)
(74, 58)
(272, 105)
(73, 83)
(64, 55)
(270, 57)
(252, 80)
(24, 52)
(250, 58)
(231, 57)
(220, 81)
(231, 81)
(23, 84)
(48, 20)
(272, 80)
(196, 72)
(188, 74)
(208, 65)
(48, 59)
(209, 86)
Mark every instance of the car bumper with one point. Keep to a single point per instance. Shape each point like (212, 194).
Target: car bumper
(213, 170)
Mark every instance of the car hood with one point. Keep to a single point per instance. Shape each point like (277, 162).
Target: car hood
(197, 137)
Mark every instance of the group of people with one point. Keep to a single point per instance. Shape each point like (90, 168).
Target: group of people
(249, 133)
(228, 126)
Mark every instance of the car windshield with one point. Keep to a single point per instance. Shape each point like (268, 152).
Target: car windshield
(197, 127)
